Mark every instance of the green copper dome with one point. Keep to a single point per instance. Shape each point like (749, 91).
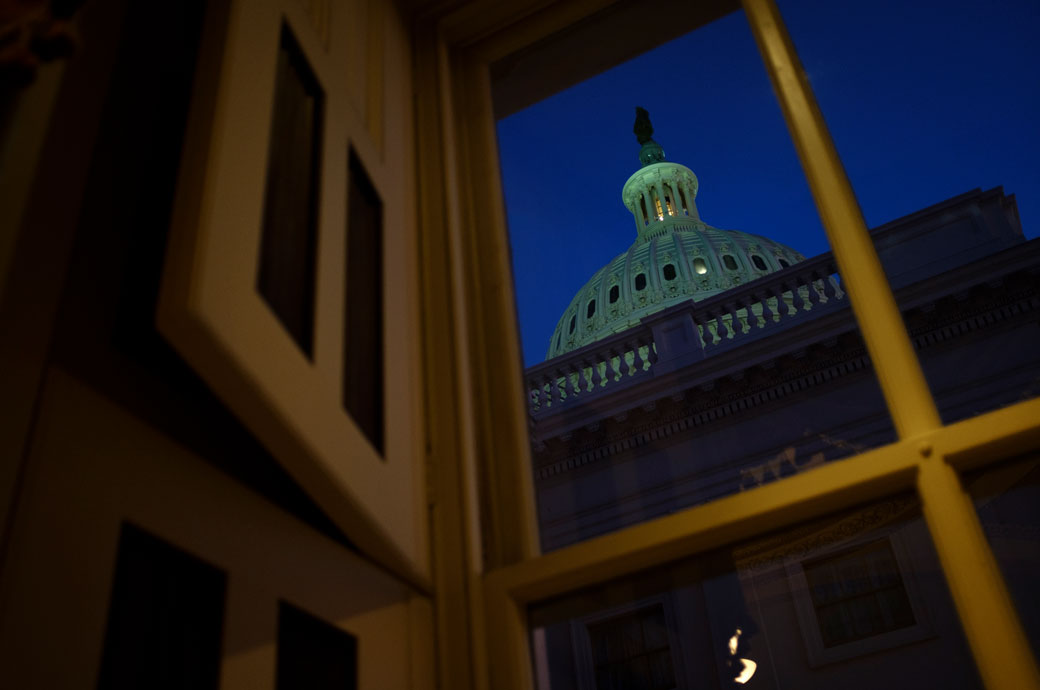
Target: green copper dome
(675, 256)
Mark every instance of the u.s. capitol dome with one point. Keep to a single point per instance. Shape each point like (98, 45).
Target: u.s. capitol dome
(675, 256)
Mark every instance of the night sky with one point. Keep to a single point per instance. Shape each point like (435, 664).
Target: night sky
(925, 100)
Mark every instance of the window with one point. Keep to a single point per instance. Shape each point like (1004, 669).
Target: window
(729, 262)
(853, 601)
(699, 267)
(573, 321)
(669, 272)
(759, 262)
(784, 263)
(590, 310)
(509, 585)
(632, 651)
(615, 292)
(641, 281)
(858, 593)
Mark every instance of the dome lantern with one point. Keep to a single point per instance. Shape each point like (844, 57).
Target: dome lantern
(660, 194)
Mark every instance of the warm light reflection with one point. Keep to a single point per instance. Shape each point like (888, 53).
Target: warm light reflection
(749, 670)
(748, 666)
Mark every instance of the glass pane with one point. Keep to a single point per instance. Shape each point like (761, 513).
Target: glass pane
(1007, 498)
(665, 366)
(854, 600)
(933, 108)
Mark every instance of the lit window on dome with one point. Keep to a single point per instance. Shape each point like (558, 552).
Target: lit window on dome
(699, 267)
(573, 321)
(729, 262)
(641, 281)
(615, 292)
(657, 206)
(784, 263)
(669, 272)
(590, 310)
(759, 262)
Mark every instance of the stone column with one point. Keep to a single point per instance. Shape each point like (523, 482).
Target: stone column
(638, 213)
(659, 186)
(691, 201)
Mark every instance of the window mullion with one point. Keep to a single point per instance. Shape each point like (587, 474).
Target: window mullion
(985, 608)
(909, 401)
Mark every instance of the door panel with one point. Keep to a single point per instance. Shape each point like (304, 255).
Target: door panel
(95, 468)
(211, 309)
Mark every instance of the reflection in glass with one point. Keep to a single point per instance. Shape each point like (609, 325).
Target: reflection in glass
(854, 600)
(1007, 498)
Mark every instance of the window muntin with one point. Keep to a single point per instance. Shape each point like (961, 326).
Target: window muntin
(928, 130)
(1007, 501)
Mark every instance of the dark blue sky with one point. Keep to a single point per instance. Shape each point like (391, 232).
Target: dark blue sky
(925, 100)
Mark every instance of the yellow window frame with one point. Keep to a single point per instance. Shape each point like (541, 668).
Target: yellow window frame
(503, 571)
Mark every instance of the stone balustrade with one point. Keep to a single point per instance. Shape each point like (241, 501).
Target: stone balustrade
(686, 333)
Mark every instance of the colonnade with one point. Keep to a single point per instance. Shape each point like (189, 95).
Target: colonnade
(653, 194)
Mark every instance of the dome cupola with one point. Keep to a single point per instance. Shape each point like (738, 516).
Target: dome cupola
(660, 194)
(675, 255)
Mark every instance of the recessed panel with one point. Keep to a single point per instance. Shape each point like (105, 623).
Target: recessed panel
(289, 239)
(165, 618)
(313, 653)
(363, 337)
